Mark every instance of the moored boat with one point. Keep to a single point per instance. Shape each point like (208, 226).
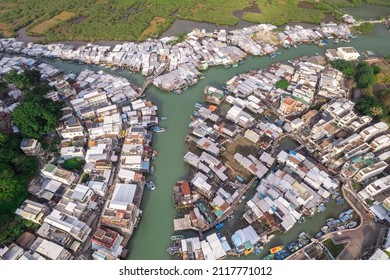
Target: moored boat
(324, 229)
(150, 186)
(177, 237)
(198, 105)
(219, 226)
(319, 234)
(291, 245)
(248, 251)
(276, 249)
(351, 224)
(269, 257)
(163, 118)
(258, 249)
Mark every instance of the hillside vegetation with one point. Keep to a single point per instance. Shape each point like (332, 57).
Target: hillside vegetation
(91, 20)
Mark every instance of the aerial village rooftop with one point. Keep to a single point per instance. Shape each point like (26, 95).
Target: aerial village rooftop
(109, 125)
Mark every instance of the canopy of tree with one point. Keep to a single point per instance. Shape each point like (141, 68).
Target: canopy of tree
(365, 75)
(16, 169)
(15, 229)
(24, 80)
(35, 115)
(370, 106)
(365, 28)
(72, 164)
(283, 84)
(347, 67)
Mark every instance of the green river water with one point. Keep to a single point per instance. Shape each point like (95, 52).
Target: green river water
(152, 237)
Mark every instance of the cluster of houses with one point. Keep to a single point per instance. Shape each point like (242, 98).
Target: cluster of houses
(183, 60)
(88, 213)
(339, 144)
(353, 146)
(307, 79)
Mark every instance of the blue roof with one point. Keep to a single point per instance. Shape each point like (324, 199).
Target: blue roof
(145, 165)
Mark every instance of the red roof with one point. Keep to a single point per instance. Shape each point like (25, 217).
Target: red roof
(185, 188)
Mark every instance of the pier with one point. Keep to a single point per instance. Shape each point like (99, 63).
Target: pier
(150, 79)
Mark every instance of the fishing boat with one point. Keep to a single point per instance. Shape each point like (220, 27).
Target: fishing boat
(258, 249)
(235, 65)
(324, 229)
(162, 129)
(163, 118)
(273, 55)
(177, 237)
(329, 220)
(303, 242)
(173, 250)
(319, 234)
(302, 235)
(279, 52)
(229, 218)
(282, 255)
(152, 170)
(351, 224)
(345, 218)
(333, 223)
(341, 227)
(335, 195)
(198, 105)
(321, 208)
(339, 201)
(202, 77)
(150, 186)
(269, 257)
(291, 245)
(276, 249)
(219, 226)
(248, 251)
(241, 61)
(370, 53)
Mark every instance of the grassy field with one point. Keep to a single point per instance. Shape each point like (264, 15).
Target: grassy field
(334, 249)
(92, 20)
(50, 23)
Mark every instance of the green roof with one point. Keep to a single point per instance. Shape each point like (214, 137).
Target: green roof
(49, 168)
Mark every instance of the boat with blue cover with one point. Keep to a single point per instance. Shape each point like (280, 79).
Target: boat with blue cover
(291, 245)
(219, 226)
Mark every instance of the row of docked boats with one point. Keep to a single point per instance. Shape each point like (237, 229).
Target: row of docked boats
(281, 253)
(343, 221)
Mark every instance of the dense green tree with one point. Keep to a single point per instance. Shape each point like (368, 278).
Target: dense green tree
(282, 83)
(347, 67)
(24, 80)
(376, 69)
(365, 75)
(369, 105)
(73, 164)
(365, 28)
(16, 169)
(34, 119)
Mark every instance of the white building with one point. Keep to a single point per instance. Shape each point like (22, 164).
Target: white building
(370, 171)
(72, 152)
(348, 53)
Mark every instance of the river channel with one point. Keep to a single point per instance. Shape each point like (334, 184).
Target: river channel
(152, 237)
